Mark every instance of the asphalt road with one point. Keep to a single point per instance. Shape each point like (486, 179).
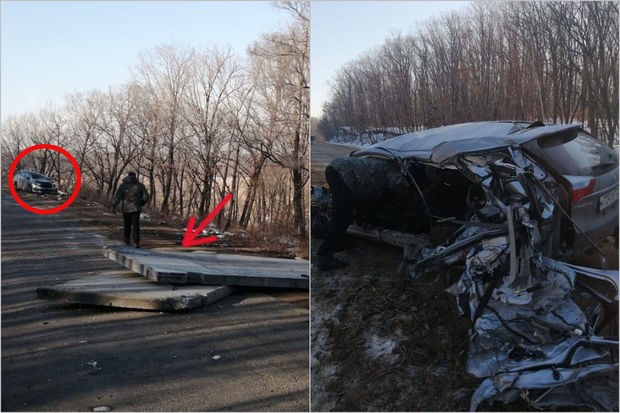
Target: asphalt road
(246, 352)
(322, 154)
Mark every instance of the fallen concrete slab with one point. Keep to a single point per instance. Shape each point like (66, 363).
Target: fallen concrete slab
(126, 289)
(210, 268)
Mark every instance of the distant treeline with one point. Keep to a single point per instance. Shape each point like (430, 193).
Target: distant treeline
(550, 61)
(195, 124)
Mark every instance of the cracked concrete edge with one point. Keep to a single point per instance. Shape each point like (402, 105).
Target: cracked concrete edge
(142, 270)
(134, 301)
(258, 282)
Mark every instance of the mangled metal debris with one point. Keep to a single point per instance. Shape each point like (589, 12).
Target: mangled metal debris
(539, 325)
(529, 336)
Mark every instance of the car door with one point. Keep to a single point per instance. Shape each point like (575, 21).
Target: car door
(23, 180)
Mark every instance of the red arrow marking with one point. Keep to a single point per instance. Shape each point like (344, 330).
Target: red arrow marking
(190, 240)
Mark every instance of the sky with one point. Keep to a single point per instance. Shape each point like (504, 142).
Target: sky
(53, 48)
(343, 30)
(50, 49)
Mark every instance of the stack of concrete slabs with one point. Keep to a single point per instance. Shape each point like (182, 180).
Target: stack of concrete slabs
(209, 268)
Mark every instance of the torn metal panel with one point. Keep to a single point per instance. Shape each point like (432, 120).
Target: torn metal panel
(605, 275)
(598, 391)
(528, 332)
(523, 314)
(502, 387)
(572, 351)
(450, 254)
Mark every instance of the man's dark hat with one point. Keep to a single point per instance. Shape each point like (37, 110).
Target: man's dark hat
(131, 173)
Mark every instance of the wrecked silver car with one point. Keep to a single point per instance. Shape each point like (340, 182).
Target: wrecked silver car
(508, 203)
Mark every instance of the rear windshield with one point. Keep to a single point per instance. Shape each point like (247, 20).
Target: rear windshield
(578, 154)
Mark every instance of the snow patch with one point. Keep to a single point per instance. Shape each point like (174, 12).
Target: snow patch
(381, 348)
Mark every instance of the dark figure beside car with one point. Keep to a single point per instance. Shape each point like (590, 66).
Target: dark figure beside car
(358, 185)
(133, 196)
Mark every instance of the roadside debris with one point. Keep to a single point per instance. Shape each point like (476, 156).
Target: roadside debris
(92, 364)
(176, 281)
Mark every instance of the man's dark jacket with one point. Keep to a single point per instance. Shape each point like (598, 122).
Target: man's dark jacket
(371, 179)
(133, 195)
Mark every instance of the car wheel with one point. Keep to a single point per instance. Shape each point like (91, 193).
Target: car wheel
(30, 188)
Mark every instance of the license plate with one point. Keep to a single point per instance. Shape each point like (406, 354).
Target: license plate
(608, 199)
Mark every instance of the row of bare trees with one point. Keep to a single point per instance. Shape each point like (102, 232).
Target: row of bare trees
(552, 61)
(195, 124)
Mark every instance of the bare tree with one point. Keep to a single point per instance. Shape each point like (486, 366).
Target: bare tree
(552, 61)
(195, 124)
(166, 73)
(215, 74)
(280, 66)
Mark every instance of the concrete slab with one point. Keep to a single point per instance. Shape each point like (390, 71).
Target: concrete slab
(126, 289)
(209, 268)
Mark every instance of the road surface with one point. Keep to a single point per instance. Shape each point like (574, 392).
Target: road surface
(246, 352)
(322, 154)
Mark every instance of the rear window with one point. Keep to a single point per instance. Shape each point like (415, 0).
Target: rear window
(578, 154)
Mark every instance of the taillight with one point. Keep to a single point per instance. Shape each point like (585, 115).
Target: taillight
(579, 193)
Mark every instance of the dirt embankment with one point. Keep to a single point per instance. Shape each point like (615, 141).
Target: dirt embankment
(381, 342)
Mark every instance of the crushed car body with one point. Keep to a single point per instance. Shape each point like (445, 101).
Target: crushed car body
(500, 201)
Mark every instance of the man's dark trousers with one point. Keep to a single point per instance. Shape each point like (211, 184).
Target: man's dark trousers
(132, 227)
(342, 212)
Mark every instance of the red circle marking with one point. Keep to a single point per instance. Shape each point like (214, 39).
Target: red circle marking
(76, 190)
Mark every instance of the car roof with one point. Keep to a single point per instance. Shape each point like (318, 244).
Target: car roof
(439, 144)
(22, 171)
